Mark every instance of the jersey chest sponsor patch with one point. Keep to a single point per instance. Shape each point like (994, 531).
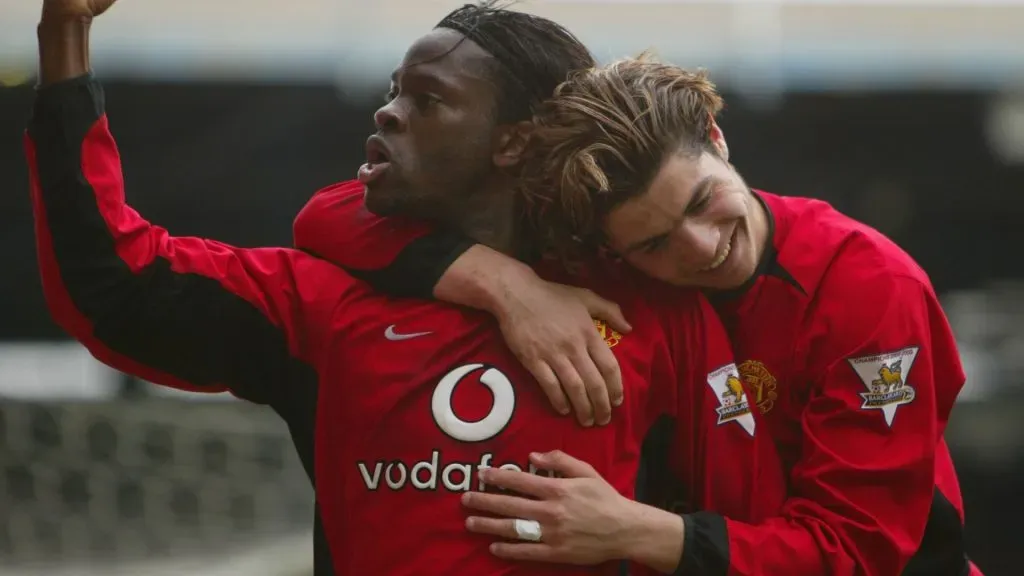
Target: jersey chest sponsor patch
(885, 377)
(733, 405)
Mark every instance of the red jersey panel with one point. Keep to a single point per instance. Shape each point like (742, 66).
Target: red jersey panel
(421, 395)
(849, 356)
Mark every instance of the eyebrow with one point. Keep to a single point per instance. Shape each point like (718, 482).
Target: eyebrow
(698, 190)
(419, 75)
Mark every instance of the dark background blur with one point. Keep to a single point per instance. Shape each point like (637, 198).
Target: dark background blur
(98, 470)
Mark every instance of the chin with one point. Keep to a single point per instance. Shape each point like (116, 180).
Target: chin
(734, 280)
(380, 201)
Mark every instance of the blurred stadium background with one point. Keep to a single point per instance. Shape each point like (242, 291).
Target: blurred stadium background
(906, 114)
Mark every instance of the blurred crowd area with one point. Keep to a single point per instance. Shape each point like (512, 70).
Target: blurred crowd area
(907, 115)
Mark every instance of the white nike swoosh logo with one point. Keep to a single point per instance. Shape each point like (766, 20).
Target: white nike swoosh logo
(390, 334)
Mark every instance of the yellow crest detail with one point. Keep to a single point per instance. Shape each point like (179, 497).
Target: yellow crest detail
(733, 388)
(761, 384)
(610, 337)
(890, 378)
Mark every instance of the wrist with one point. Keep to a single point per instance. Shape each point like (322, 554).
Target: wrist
(483, 279)
(654, 538)
(502, 288)
(63, 48)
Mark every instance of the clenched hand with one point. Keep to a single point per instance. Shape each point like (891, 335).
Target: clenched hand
(62, 10)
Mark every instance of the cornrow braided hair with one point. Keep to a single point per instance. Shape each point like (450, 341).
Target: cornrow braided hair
(533, 55)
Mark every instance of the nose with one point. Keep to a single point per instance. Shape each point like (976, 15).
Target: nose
(389, 117)
(700, 239)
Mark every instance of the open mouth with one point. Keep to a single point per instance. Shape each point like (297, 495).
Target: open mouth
(378, 161)
(376, 151)
(723, 255)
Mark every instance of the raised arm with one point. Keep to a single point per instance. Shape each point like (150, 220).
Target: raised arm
(183, 312)
(548, 326)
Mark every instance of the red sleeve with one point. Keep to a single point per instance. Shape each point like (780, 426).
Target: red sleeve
(398, 256)
(183, 312)
(887, 376)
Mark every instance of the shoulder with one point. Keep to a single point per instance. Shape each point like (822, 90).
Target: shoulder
(346, 195)
(872, 299)
(833, 254)
(335, 224)
(858, 282)
(345, 189)
(867, 266)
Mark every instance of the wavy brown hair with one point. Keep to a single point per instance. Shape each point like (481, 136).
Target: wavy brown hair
(602, 139)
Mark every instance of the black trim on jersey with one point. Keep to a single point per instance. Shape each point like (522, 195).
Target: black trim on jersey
(147, 315)
(705, 545)
(418, 267)
(942, 551)
(322, 563)
(654, 472)
(768, 266)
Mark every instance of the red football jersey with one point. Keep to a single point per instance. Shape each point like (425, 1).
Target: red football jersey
(409, 398)
(710, 449)
(847, 353)
(420, 395)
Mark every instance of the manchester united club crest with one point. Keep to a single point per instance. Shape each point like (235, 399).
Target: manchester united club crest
(885, 377)
(611, 337)
(761, 384)
(732, 400)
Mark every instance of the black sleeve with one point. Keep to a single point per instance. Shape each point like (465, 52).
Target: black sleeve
(705, 545)
(419, 266)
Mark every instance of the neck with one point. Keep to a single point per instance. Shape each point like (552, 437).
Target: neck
(489, 218)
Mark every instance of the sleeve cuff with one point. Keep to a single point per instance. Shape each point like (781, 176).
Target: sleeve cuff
(64, 84)
(705, 545)
(73, 103)
(54, 94)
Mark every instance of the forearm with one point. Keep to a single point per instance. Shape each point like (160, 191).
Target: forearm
(63, 48)
(480, 278)
(654, 538)
(170, 310)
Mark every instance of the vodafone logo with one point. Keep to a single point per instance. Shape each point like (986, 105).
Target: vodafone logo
(491, 424)
(439, 470)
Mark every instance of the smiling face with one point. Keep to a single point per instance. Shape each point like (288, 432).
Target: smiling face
(628, 158)
(696, 225)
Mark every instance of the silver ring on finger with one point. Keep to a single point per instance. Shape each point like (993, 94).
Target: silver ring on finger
(528, 530)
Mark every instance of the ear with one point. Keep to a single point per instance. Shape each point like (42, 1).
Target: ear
(510, 143)
(718, 140)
